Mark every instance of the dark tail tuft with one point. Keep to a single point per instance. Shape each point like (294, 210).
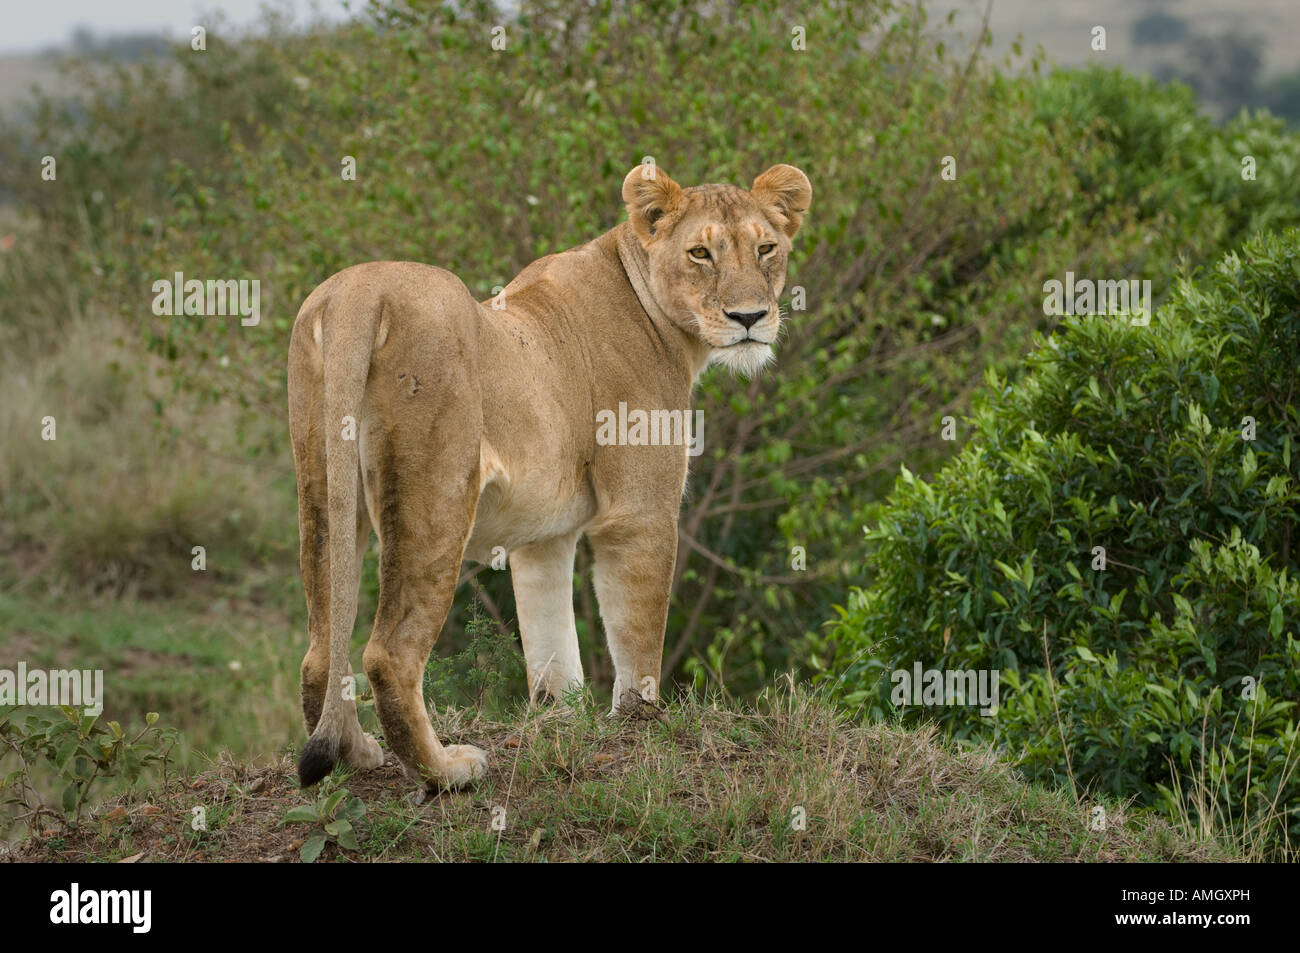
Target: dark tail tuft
(318, 759)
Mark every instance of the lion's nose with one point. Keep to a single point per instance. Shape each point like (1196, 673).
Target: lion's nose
(746, 319)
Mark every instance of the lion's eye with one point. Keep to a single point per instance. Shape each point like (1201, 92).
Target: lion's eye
(698, 253)
(766, 249)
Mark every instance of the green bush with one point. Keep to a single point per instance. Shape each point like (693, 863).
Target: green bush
(1168, 160)
(66, 751)
(1171, 446)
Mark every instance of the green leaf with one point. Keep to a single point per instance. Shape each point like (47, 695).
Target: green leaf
(65, 755)
(332, 802)
(312, 847)
(303, 813)
(1012, 574)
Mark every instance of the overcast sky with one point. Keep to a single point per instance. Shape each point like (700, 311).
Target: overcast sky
(27, 26)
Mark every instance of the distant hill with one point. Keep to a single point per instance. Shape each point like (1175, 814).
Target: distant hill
(1232, 52)
(19, 72)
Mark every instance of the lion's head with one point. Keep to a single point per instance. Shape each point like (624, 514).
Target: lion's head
(718, 254)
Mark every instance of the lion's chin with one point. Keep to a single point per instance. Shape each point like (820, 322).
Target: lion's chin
(746, 358)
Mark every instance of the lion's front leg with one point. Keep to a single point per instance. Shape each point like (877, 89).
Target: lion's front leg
(633, 575)
(543, 582)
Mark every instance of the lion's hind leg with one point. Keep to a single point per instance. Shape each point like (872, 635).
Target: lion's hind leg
(426, 509)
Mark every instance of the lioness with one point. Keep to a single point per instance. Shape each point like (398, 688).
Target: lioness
(454, 427)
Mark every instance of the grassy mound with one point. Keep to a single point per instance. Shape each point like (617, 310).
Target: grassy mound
(788, 779)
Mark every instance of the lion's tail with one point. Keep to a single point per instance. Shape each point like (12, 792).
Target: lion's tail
(346, 346)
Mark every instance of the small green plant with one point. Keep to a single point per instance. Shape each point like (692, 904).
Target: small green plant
(334, 813)
(486, 675)
(82, 752)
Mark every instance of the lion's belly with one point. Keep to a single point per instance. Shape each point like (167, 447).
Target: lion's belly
(517, 508)
(500, 528)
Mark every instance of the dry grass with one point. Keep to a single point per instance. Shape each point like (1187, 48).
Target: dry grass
(134, 478)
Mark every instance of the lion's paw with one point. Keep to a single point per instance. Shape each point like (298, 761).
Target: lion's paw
(464, 764)
(366, 754)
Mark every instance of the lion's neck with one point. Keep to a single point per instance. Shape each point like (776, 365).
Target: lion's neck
(636, 265)
(591, 312)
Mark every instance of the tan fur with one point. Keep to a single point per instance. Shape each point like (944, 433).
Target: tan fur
(476, 429)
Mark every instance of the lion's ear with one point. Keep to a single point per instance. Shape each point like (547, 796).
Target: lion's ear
(650, 195)
(784, 193)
